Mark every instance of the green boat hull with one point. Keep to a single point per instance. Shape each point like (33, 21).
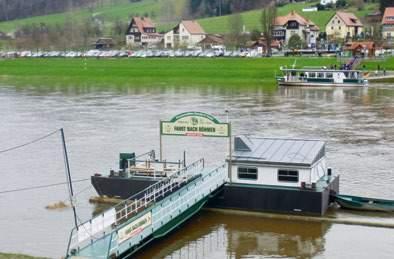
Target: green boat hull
(364, 203)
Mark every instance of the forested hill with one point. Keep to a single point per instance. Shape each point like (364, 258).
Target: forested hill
(16, 9)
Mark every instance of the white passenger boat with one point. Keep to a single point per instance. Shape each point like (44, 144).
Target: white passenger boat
(321, 77)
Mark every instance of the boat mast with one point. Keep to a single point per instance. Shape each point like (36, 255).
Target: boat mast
(68, 175)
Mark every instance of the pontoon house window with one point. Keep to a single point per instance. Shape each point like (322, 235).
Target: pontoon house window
(247, 173)
(287, 175)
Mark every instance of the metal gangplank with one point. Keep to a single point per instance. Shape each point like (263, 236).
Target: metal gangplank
(152, 213)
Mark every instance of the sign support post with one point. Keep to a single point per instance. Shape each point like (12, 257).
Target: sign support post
(230, 155)
(161, 146)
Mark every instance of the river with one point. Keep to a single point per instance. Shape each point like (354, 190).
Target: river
(357, 123)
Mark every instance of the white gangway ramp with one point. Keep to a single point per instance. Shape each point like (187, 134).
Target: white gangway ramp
(150, 214)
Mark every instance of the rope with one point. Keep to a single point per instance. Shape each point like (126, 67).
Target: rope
(28, 143)
(41, 186)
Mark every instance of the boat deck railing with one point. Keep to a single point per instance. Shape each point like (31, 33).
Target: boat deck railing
(101, 225)
(152, 167)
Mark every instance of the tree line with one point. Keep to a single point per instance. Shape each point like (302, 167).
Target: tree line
(202, 8)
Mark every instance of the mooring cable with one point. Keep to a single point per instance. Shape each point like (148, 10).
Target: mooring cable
(41, 186)
(28, 143)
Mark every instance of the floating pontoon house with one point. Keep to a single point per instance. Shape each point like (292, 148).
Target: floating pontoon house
(278, 175)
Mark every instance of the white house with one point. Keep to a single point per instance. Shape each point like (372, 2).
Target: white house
(293, 23)
(344, 25)
(388, 24)
(186, 33)
(278, 162)
(142, 32)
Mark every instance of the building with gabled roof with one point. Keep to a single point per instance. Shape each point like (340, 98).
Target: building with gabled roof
(361, 48)
(388, 24)
(142, 32)
(187, 33)
(293, 23)
(343, 25)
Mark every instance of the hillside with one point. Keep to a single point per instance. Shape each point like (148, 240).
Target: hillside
(251, 19)
(123, 9)
(120, 10)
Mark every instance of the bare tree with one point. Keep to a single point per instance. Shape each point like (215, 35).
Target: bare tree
(167, 10)
(268, 17)
(235, 24)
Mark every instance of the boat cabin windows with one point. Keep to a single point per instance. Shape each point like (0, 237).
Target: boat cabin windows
(247, 173)
(329, 75)
(285, 175)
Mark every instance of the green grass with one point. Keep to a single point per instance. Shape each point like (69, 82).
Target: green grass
(17, 256)
(222, 72)
(372, 65)
(123, 9)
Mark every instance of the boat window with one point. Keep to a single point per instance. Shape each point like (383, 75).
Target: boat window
(312, 74)
(287, 175)
(320, 75)
(329, 75)
(248, 173)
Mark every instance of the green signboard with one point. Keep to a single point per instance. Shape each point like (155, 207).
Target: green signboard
(194, 124)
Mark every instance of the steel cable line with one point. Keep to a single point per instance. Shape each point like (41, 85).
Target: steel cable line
(41, 186)
(28, 143)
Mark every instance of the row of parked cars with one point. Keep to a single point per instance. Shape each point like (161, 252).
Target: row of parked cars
(131, 54)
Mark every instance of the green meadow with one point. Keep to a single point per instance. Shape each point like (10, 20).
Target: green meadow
(152, 72)
(120, 10)
(387, 64)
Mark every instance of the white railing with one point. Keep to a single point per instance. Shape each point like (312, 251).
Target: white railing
(145, 198)
(100, 226)
(164, 211)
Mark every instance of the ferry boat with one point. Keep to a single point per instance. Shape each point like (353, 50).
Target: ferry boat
(266, 174)
(134, 175)
(263, 174)
(321, 77)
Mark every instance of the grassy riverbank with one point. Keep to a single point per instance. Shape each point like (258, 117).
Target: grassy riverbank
(17, 256)
(387, 64)
(155, 72)
(233, 72)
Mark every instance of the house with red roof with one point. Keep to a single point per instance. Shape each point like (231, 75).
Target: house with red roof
(142, 32)
(361, 48)
(388, 24)
(293, 23)
(187, 33)
(343, 25)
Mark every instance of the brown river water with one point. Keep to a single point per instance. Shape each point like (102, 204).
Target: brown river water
(357, 123)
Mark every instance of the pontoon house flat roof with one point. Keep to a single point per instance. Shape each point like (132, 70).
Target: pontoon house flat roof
(299, 152)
